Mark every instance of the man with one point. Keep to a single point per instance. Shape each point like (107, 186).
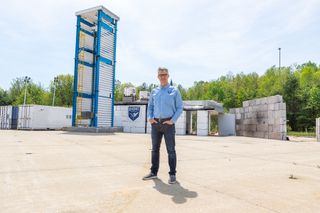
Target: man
(164, 108)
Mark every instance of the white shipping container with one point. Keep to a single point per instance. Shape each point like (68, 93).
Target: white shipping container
(5, 117)
(44, 117)
(144, 95)
(129, 91)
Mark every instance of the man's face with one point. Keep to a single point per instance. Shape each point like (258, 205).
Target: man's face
(163, 77)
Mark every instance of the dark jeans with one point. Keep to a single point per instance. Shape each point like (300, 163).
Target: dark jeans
(168, 131)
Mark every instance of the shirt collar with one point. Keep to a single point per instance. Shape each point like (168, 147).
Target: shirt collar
(165, 87)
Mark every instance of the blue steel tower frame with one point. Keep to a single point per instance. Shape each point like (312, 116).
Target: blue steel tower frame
(107, 22)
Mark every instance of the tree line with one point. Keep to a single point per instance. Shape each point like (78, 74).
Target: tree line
(37, 93)
(298, 84)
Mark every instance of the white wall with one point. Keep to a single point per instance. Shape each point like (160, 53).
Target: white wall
(121, 118)
(202, 122)
(180, 125)
(227, 124)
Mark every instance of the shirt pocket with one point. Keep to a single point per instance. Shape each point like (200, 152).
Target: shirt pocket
(170, 98)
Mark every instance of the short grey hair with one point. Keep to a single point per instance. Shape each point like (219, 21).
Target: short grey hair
(163, 69)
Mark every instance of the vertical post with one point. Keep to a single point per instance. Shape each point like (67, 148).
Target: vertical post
(279, 58)
(25, 94)
(54, 89)
(54, 94)
(75, 79)
(26, 81)
(318, 129)
(279, 69)
(114, 72)
(94, 67)
(96, 80)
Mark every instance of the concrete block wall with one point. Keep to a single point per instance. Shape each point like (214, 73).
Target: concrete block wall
(318, 129)
(262, 118)
(202, 122)
(121, 118)
(180, 125)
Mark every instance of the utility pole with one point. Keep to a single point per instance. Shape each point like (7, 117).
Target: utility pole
(279, 57)
(54, 89)
(26, 81)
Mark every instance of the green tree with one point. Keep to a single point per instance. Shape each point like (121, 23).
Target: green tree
(314, 102)
(271, 83)
(35, 93)
(308, 74)
(151, 87)
(64, 90)
(119, 89)
(182, 91)
(292, 98)
(4, 97)
(16, 90)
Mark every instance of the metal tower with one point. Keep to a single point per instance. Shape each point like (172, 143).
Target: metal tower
(94, 68)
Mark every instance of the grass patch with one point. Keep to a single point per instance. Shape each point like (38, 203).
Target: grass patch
(301, 134)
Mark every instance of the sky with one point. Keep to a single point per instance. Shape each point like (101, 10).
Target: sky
(195, 39)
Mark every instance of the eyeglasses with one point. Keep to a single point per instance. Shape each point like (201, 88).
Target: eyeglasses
(162, 75)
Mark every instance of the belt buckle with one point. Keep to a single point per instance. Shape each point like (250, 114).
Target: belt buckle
(160, 120)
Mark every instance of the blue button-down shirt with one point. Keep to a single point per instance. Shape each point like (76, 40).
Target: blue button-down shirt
(165, 102)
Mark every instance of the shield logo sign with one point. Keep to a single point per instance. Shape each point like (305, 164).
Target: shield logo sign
(133, 112)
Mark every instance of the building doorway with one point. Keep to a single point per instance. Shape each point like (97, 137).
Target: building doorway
(213, 123)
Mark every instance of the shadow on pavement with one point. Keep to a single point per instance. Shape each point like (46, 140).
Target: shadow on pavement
(178, 193)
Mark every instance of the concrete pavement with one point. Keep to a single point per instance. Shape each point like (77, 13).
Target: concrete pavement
(52, 171)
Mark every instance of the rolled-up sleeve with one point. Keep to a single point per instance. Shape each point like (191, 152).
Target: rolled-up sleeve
(178, 105)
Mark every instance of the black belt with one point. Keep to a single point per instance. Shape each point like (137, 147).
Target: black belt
(161, 120)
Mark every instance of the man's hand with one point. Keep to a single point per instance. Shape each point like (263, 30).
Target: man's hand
(170, 122)
(152, 121)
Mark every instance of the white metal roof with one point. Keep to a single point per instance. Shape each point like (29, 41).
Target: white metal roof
(91, 13)
(203, 105)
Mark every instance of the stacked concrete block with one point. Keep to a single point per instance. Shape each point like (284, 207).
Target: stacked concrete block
(122, 119)
(262, 118)
(117, 115)
(202, 122)
(226, 124)
(318, 129)
(180, 125)
(148, 128)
